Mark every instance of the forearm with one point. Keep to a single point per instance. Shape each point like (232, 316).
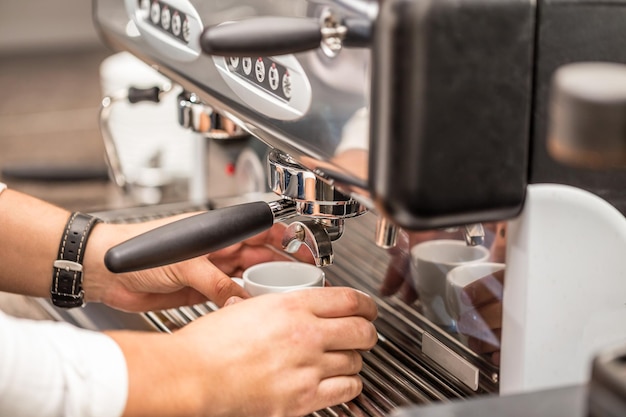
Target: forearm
(30, 231)
(161, 379)
(30, 234)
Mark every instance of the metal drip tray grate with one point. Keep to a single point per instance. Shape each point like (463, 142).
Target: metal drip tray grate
(396, 372)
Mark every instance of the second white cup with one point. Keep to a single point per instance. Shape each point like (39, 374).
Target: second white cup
(430, 263)
(276, 277)
(461, 277)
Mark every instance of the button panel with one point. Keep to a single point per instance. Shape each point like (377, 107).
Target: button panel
(264, 73)
(276, 86)
(167, 18)
(171, 27)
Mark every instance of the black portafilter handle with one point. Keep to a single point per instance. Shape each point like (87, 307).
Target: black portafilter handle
(275, 35)
(191, 237)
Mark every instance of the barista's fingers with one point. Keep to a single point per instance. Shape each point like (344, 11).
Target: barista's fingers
(333, 302)
(217, 288)
(349, 333)
(233, 300)
(484, 290)
(337, 390)
(341, 362)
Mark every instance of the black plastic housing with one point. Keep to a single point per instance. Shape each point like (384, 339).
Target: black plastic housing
(575, 31)
(450, 110)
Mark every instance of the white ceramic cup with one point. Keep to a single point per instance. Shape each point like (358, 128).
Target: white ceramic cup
(464, 275)
(430, 263)
(274, 277)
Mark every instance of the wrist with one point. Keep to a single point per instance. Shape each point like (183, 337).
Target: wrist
(97, 278)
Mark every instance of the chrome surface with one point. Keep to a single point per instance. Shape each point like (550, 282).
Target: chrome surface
(333, 33)
(474, 234)
(200, 118)
(313, 196)
(110, 149)
(314, 134)
(282, 209)
(314, 236)
(386, 233)
(450, 360)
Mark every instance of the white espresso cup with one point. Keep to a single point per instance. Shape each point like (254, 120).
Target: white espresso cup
(430, 263)
(462, 276)
(276, 277)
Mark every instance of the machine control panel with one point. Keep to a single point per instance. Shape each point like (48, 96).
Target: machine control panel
(168, 19)
(274, 86)
(266, 73)
(173, 27)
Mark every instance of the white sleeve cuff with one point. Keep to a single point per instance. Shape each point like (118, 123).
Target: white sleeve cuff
(56, 369)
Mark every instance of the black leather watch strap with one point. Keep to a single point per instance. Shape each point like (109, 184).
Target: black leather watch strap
(67, 271)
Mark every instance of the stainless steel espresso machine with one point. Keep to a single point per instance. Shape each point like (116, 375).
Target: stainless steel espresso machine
(387, 120)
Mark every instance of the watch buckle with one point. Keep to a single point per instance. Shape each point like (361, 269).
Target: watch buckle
(68, 265)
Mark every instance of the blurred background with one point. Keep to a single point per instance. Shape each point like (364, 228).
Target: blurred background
(50, 96)
(50, 55)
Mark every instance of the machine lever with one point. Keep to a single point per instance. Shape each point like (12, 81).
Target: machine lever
(262, 36)
(196, 235)
(267, 36)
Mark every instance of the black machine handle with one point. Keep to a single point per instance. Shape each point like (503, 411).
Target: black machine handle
(270, 35)
(262, 36)
(190, 237)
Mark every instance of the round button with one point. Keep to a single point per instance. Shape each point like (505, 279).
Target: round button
(246, 64)
(177, 24)
(166, 18)
(287, 85)
(186, 30)
(155, 12)
(273, 77)
(259, 70)
(233, 61)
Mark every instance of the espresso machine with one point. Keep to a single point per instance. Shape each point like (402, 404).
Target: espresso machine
(385, 119)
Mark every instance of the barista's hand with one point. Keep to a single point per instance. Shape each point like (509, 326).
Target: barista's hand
(272, 355)
(185, 283)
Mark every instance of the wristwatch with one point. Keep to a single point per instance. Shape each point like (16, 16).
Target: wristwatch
(66, 290)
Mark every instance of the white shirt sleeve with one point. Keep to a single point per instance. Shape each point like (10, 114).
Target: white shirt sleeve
(55, 369)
